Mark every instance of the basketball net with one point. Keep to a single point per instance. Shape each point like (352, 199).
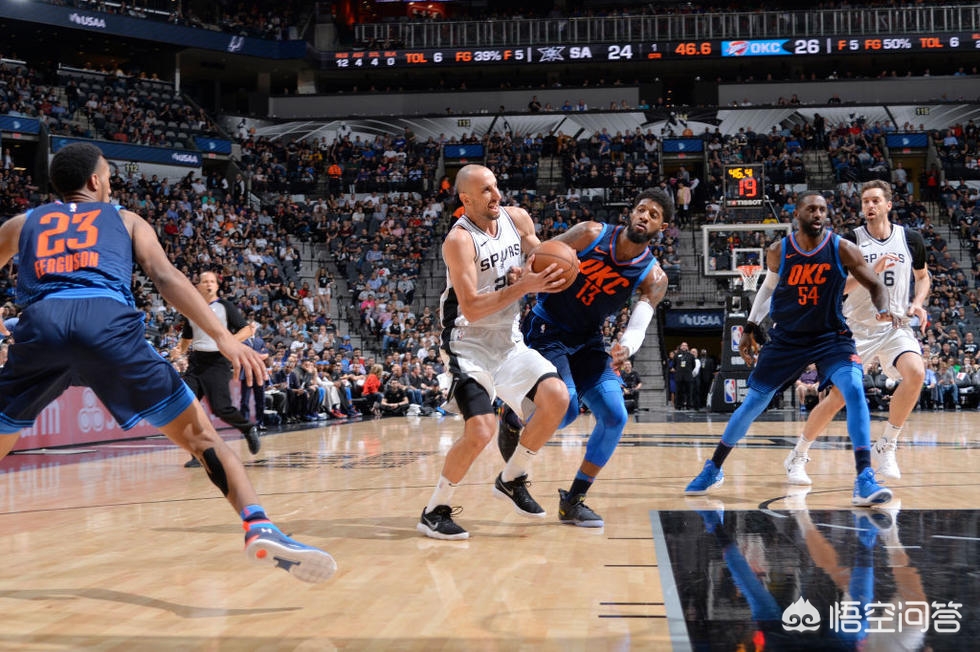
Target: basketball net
(750, 276)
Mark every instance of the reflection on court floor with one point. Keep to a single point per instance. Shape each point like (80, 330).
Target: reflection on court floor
(796, 579)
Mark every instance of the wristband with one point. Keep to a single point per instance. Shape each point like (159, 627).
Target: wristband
(758, 334)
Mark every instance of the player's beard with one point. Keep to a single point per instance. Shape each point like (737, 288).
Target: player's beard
(813, 229)
(639, 237)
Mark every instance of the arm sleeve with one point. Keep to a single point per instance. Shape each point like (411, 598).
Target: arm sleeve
(760, 306)
(636, 329)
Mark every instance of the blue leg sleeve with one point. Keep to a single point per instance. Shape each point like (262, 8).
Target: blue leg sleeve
(848, 379)
(609, 410)
(573, 408)
(755, 404)
(761, 603)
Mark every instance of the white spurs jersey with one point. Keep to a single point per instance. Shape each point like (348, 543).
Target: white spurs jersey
(909, 247)
(495, 254)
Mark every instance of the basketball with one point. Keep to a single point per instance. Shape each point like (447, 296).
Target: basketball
(555, 251)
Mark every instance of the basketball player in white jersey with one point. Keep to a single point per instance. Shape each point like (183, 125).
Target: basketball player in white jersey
(898, 256)
(480, 308)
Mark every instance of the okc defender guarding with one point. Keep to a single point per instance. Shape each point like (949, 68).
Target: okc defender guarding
(805, 282)
(487, 357)
(566, 327)
(898, 254)
(80, 326)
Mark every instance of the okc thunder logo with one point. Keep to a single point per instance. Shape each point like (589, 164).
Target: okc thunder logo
(737, 48)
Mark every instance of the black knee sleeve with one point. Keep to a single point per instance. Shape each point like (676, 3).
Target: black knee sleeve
(216, 471)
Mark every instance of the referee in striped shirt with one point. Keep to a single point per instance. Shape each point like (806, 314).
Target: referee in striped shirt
(208, 372)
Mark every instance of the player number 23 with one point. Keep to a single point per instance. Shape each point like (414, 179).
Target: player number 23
(56, 238)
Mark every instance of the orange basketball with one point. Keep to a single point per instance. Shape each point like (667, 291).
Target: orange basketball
(555, 251)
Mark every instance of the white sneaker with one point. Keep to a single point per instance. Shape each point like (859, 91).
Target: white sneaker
(883, 456)
(796, 468)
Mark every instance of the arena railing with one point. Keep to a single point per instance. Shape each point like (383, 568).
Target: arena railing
(674, 27)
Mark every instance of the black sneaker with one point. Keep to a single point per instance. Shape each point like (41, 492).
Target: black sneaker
(572, 510)
(192, 463)
(252, 437)
(516, 492)
(439, 524)
(508, 436)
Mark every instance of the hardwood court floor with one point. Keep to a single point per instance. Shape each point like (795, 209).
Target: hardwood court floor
(121, 548)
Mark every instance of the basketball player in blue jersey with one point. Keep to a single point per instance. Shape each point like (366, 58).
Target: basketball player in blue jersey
(80, 326)
(566, 327)
(480, 310)
(898, 255)
(803, 292)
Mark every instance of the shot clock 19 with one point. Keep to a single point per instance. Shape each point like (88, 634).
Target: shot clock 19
(744, 186)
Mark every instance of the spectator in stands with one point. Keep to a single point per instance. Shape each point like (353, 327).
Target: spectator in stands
(371, 389)
(684, 363)
(929, 396)
(966, 383)
(256, 390)
(395, 400)
(949, 393)
(632, 384)
(807, 388)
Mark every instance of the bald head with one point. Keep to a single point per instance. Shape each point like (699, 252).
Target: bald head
(477, 188)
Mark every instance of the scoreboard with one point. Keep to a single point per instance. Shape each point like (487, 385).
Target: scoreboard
(908, 44)
(744, 186)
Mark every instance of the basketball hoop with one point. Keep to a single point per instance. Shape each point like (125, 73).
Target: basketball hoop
(750, 276)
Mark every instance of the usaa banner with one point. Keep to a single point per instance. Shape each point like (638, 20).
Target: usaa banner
(694, 320)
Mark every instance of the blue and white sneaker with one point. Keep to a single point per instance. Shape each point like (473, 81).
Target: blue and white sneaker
(266, 544)
(867, 491)
(709, 478)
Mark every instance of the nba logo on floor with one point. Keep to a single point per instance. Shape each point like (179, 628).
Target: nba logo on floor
(731, 393)
(736, 337)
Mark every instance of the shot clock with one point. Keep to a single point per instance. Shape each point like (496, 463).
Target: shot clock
(744, 186)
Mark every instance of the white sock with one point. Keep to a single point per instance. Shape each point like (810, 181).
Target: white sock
(802, 445)
(518, 463)
(892, 432)
(442, 495)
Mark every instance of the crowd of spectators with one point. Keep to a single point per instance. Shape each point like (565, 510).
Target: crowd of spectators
(381, 214)
(103, 104)
(958, 150)
(138, 109)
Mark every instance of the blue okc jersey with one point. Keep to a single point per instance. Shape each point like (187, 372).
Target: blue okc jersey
(810, 290)
(602, 287)
(75, 250)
